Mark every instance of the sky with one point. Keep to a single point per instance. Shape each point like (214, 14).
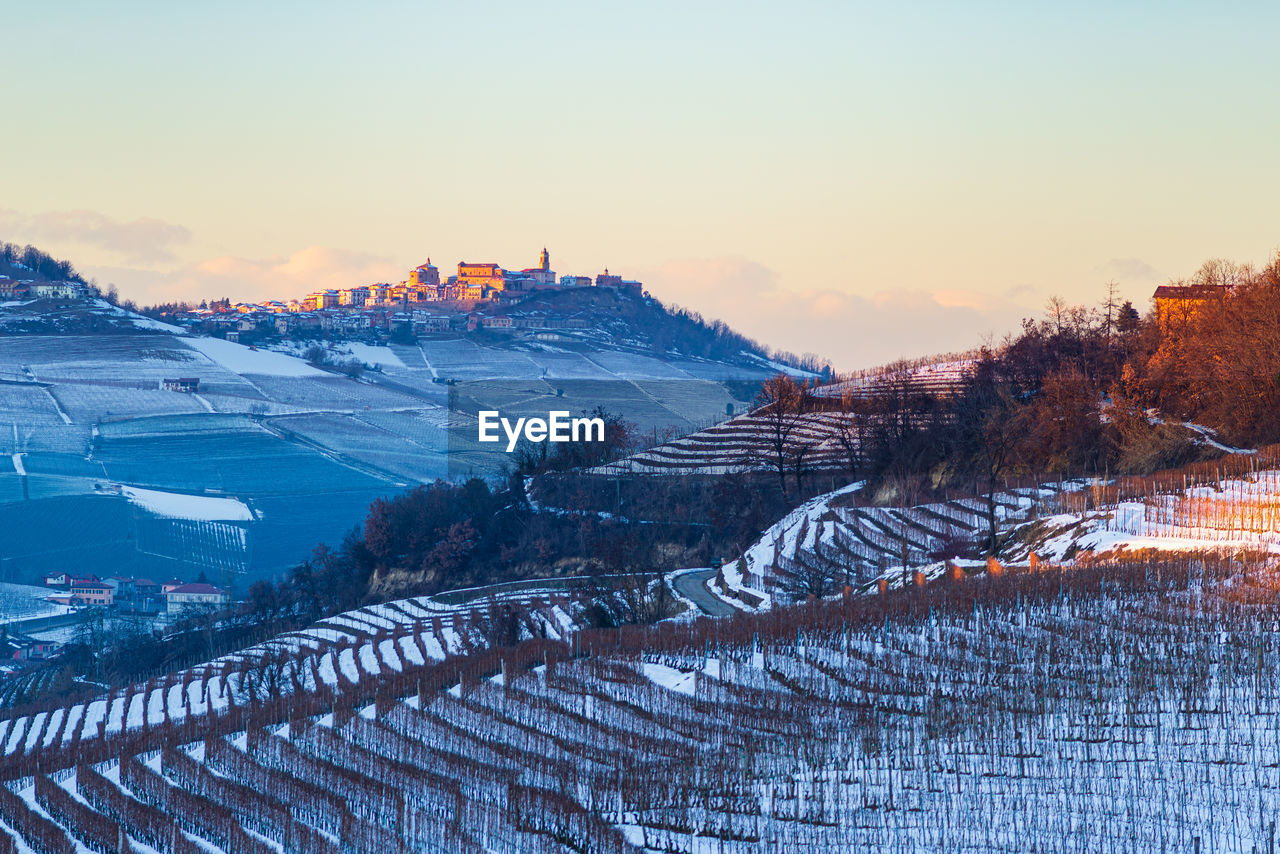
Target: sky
(864, 181)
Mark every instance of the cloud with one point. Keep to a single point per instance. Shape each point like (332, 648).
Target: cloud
(1130, 270)
(852, 330)
(140, 241)
(252, 279)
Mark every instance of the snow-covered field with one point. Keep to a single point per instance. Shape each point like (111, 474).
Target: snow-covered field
(197, 508)
(419, 630)
(26, 602)
(240, 359)
(77, 411)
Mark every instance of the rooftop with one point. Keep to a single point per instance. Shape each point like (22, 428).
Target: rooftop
(197, 587)
(1190, 292)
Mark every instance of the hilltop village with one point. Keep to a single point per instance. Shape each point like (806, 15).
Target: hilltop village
(479, 296)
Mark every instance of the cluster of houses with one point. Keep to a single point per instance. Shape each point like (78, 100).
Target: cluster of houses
(417, 302)
(473, 283)
(141, 596)
(27, 289)
(15, 646)
(173, 598)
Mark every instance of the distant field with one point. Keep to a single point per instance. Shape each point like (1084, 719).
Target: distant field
(306, 449)
(416, 459)
(252, 463)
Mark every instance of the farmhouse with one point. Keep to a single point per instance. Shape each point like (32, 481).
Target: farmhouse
(430, 323)
(58, 290)
(1176, 304)
(92, 592)
(13, 289)
(122, 586)
(194, 597)
(20, 647)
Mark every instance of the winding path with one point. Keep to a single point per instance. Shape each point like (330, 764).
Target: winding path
(693, 585)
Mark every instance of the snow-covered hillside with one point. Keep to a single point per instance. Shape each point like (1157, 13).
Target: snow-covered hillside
(1123, 708)
(832, 540)
(343, 649)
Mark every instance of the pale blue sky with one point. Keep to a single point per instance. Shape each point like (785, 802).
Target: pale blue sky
(851, 178)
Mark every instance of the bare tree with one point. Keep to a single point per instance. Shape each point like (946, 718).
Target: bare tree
(781, 405)
(853, 432)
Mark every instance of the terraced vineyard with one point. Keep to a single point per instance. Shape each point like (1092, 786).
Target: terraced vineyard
(937, 375)
(1121, 708)
(741, 443)
(321, 655)
(834, 540)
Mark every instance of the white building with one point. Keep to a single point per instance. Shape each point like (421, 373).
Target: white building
(195, 597)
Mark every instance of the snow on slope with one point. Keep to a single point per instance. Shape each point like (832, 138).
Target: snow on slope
(156, 325)
(829, 542)
(354, 646)
(371, 355)
(833, 728)
(25, 602)
(101, 306)
(786, 531)
(240, 359)
(199, 508)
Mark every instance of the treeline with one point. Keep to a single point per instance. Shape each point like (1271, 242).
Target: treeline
(446, 536)
(1086, 391)
(1082, 391)
(1216, 360)
(689, 332)
(41, 264)
(1067, 396)
(672, 328)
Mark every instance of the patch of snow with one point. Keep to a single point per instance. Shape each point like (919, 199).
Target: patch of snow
(200, 508)
(347, 663)
(156, 325)
(372, 355)
(26, 602)
(670, 678)
(1210, 438)
(410, 651)
(369, 659)
(240, 359)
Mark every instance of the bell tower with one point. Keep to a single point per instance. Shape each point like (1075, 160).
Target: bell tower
(544, 263)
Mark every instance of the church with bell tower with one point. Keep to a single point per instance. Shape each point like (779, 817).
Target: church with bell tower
(541, 276)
